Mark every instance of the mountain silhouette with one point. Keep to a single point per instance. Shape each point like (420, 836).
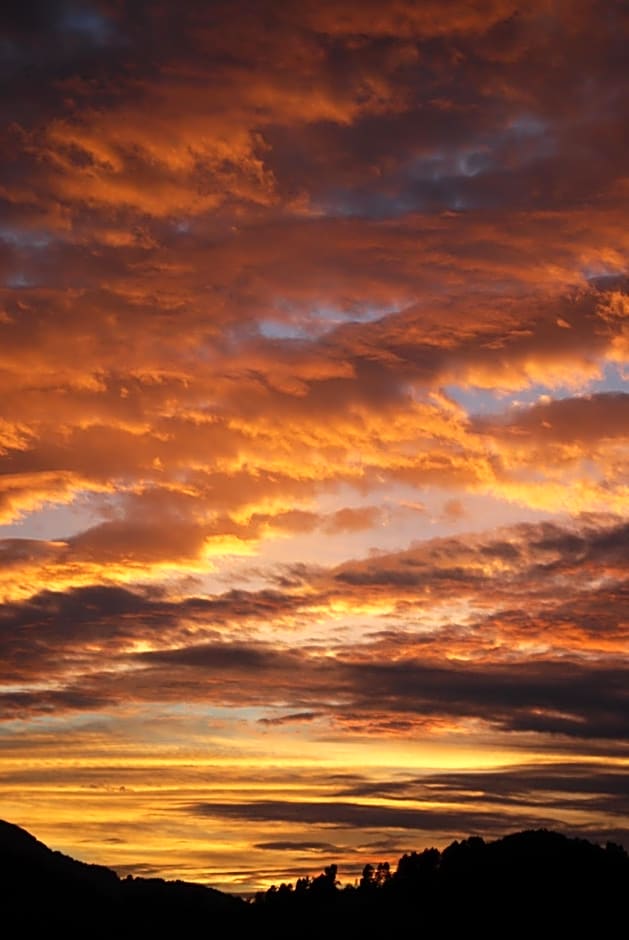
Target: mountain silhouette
(535, 882)
(42, 890)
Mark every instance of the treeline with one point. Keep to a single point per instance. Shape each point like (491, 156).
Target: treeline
(529, 880)
(534, 884)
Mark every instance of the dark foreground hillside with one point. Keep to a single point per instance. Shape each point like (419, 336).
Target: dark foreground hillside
(44, 893)
(535, 882)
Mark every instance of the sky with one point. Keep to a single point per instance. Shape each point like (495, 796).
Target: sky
(314, 429)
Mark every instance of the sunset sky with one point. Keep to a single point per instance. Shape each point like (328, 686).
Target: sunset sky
(314, 428)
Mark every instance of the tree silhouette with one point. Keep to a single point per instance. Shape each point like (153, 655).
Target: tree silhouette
(537, 881)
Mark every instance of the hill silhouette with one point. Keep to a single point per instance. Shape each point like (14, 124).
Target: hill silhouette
(537, 881)
(42, 891)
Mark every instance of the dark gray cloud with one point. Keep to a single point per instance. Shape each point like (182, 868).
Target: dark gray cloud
(286, 846)
(559, 786)
(551, 697)
(289, 719)
(38, 634)
(239, 658)
(358, 816)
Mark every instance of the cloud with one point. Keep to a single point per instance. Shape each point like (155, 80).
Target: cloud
(289, 719)
(563, 786)
(533, 647)
(546, 697)
(355, 815)
(588, 419)
(575, 700)
(316, 847)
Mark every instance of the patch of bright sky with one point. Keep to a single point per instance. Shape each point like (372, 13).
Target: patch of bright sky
(527, 137)
(87, 22)
(352, 625)
(295, 324)
(615, 378)
(350, 204)
(13, 687)
(445, 165)
(17, 280)
(24, 239)
(200, 724)
(408, 515)
(53, 724)
(480, 156)
(601, 273)
(480, 401)
(52, 523)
